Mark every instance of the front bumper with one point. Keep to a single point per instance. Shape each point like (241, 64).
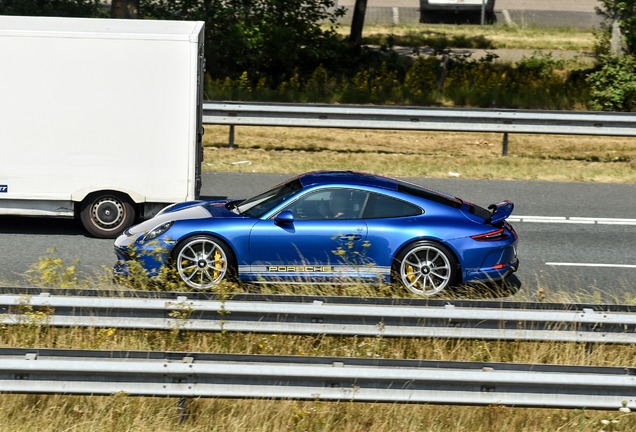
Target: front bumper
(151, 256)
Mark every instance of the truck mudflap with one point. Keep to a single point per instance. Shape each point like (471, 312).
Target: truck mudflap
(500, 212)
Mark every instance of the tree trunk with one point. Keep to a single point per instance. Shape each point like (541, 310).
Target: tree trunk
(618, 47)
(357, 23)
(128, 9)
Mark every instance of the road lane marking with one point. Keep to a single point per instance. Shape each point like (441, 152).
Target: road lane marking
(572, 220)
(591, 265)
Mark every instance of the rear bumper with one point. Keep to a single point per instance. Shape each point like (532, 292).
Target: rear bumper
(491, 274)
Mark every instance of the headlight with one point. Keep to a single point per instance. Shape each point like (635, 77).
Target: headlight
(157, 231)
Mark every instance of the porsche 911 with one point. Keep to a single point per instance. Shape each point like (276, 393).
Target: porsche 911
(328, 227)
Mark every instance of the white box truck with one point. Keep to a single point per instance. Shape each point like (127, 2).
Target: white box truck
(456, 11)
(99, 119)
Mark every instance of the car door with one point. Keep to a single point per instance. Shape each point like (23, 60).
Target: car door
(390, 223)
(314, 247)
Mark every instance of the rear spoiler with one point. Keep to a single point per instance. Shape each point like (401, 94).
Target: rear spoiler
(500, 212)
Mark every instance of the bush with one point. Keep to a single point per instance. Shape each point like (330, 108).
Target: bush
(613, 88)
(535, 83)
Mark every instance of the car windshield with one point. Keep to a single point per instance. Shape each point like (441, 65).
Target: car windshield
(261, 204)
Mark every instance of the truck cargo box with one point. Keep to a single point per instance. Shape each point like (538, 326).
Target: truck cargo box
(99, 118)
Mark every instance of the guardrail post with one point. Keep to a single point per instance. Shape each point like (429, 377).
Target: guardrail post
(231, 143)
(182, 408)
(504, 152)
(442, 73)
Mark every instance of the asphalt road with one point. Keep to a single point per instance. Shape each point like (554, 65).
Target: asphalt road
(562, 254)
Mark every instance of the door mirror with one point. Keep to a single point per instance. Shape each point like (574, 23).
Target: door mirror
(284, 218)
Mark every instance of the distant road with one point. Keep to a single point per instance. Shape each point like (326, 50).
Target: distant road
(592, 243)
(542, 5)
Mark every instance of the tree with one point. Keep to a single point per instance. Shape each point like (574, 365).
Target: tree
(622, 16)
(613, 85)
(54, 8)
(124, 9)
(357, 23)
(266, 38)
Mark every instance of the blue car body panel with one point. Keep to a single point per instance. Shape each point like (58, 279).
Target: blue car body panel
(266, 249)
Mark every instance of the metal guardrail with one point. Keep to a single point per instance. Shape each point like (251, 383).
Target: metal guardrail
(417, 118)
(311, 315)
(152, 373)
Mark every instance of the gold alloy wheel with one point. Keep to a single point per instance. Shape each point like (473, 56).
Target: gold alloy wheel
(201, 263)
(425, 270)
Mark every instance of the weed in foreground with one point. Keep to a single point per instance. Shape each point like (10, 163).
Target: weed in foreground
(51, 271)
(546, 288)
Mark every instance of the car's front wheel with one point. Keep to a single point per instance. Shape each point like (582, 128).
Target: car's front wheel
(425, 268)
(202, 261)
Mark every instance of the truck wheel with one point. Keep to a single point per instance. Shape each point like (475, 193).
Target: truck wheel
(429, 17)
(107, 214)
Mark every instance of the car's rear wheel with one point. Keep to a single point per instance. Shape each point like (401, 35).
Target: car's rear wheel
(425, 268)
(202, 261)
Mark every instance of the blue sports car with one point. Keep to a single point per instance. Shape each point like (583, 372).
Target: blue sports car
(328, 227)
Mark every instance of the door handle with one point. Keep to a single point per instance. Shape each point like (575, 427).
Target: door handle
(352, 237)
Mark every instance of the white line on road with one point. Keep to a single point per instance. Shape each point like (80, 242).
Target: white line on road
(572, 220)
(590, 265)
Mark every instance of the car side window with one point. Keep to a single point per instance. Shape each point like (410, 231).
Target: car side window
(329, 204)
(382, 206)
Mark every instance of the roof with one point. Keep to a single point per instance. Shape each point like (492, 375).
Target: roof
(347, 178)
(98, 28)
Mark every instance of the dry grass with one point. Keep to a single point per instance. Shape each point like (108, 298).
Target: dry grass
(423, 154)
(121, 413)
(472, 36)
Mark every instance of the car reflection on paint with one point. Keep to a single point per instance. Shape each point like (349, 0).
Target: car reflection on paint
(329, 226)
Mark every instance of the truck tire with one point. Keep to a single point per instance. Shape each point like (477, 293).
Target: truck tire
(107, 214)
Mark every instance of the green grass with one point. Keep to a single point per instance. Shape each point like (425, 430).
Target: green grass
(474, 36)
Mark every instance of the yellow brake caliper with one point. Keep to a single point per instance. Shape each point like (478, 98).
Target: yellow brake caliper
(217, 264)
(410, 277)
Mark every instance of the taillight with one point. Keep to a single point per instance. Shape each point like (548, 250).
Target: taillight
(491, 236)
(512, 230)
